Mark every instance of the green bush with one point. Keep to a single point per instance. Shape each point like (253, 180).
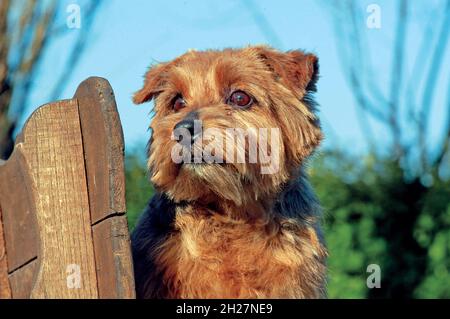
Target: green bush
(375, 215)
(138, 187)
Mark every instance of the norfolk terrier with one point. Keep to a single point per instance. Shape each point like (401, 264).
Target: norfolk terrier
(233, 215)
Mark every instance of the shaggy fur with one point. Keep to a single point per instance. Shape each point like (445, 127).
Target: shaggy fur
(226, 230)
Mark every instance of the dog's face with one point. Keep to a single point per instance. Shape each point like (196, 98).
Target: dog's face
(247, 109)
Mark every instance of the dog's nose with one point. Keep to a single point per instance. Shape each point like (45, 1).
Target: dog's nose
(189, 124)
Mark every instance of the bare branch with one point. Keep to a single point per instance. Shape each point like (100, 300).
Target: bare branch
(419, 67)
(397, 77)
(21, 51)
(26, 25)
(366, 129)
(362, 56)
(39, 40)
(445, 145)
(431, 79)
(4, 42)
(350, 41)
(26, 17)
(6, 143)
(27, 69)
(77, 49)
(351, 58)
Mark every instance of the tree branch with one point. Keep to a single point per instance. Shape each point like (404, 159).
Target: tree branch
(27, 70)
(445, 145)
(6, 143)
(77, 49)
(356, 67)
(397, 77)
(431, 79)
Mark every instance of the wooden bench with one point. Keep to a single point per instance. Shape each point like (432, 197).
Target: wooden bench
(63, 228)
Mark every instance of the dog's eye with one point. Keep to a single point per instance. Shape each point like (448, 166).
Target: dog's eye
(240, 99)
(178, 103)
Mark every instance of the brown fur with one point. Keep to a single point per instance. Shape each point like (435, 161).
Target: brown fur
(231, 236)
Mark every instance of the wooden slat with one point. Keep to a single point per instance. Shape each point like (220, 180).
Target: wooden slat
(104, 157)
(5, 289)
(52, 146)
(104, 148)
(115, 272)
(63, 198)
(18, 211)
(22, 280)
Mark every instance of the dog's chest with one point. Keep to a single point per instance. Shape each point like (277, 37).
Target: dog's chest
(213, 258)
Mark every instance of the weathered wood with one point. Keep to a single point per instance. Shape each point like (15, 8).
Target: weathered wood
(22, 280)
(63, 198)
(104, 148)
(114, 271)
(53, 148)
(19, 216)
(104, 158)
(5, 289)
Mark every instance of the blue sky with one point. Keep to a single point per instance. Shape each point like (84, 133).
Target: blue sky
(128, 36)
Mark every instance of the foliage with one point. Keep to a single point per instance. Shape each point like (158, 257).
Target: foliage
(138, 187)
(373, 215)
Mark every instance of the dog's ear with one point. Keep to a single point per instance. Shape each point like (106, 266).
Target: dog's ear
(153, 83)
(298, 70)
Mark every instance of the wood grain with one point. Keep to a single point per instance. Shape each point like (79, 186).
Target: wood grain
(19, 216)
(5, 289)
(22, 280)
(53, 148)
(104, 158)
(62, 201)
(104, 148)
(114, 271)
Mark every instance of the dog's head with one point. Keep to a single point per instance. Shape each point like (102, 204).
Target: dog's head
(231, 124)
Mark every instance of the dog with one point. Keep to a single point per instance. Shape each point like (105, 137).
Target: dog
(227, 229)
